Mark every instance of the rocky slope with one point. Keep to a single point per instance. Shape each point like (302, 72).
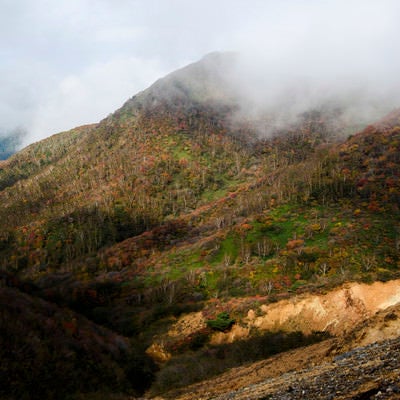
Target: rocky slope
(363, 373)
(358, 365)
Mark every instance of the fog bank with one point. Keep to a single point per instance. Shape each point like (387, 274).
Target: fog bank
(74, 61)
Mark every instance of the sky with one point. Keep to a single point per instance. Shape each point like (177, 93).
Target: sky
(66, 63)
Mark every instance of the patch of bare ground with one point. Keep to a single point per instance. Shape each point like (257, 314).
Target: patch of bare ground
(336, 312)
(361, 363)
(238, 378)
(368, 372)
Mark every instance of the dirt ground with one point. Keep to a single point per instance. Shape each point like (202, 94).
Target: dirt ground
(359, 363)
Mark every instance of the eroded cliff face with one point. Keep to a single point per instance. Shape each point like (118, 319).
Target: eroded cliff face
(337, 312)
(359, 362)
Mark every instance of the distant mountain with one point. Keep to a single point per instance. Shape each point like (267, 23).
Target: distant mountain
(9, 145)
(184, 201)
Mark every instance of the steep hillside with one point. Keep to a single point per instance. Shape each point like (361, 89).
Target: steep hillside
(51, 352)
(173, 205)
(359, 365)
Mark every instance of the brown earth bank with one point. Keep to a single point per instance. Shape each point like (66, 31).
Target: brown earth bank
(336, 312)
(361, 361)
(354, 366)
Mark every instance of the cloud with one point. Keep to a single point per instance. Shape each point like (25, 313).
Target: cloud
(342, 53)
(22, 86)
(74, 61)
(91, 95)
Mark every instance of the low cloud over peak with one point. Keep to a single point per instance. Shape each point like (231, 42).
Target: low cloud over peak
(76, 61)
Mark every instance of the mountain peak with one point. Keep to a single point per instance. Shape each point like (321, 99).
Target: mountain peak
(390, 120)
(205, 81)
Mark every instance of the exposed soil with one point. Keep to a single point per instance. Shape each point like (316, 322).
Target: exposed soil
(337, 368)
(336, 312)
(361, 362)
(364, 373)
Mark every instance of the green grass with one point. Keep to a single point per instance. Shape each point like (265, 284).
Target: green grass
(228, 247)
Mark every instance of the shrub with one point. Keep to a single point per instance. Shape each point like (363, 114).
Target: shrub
(222, 323)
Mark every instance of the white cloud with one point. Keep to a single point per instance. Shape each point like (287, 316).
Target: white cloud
(73, 61)
(91, 95)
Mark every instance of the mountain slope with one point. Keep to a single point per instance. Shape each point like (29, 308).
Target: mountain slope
(173, 205)
(52, 352)
(355, 365)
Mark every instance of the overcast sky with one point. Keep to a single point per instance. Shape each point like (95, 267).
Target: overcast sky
(69, 62)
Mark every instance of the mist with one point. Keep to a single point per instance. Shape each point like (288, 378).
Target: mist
(328, 55)
(76, 61)
(269, 90)
(10, 142)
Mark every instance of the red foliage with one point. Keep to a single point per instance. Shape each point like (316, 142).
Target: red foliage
(294, 244)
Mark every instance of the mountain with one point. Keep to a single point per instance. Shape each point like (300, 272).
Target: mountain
(9, 144)
(181, 213)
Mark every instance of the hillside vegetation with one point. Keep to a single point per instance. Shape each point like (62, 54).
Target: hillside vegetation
(170, 206)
